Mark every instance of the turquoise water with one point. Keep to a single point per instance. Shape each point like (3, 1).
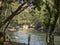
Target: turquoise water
(37, 38)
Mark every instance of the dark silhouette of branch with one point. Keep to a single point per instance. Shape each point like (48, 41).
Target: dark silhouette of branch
(55, 19)
(12, 15)
(5, 29)
(49, 11)
(9, 22)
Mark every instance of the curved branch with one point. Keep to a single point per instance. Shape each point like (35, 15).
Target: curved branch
(12, 15)
(5, 30)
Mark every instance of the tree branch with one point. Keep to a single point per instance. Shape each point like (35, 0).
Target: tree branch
(12, 15)
(49, 11)
(55, 20)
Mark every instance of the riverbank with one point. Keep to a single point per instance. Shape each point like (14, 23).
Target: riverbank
(13, 43)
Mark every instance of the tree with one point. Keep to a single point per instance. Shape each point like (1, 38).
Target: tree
(52, 8)
(53, 23)
(9, 18)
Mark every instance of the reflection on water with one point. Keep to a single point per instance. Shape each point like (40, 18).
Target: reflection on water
(36, 37)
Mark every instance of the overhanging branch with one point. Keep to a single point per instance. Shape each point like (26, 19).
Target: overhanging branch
(12, 15)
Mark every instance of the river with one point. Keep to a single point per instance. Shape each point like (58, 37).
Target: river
(36, 37)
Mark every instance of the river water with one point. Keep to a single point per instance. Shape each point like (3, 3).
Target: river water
(36, 37)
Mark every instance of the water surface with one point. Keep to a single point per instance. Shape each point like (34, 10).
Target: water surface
(37, 38)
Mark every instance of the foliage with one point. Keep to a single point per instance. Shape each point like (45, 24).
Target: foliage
(38, 4)
(43, 12)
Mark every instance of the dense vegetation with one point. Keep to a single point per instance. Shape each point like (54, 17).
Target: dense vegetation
(37, 12)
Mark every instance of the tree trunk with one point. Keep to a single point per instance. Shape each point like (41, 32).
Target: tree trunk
(1, 38)
(50, 39)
